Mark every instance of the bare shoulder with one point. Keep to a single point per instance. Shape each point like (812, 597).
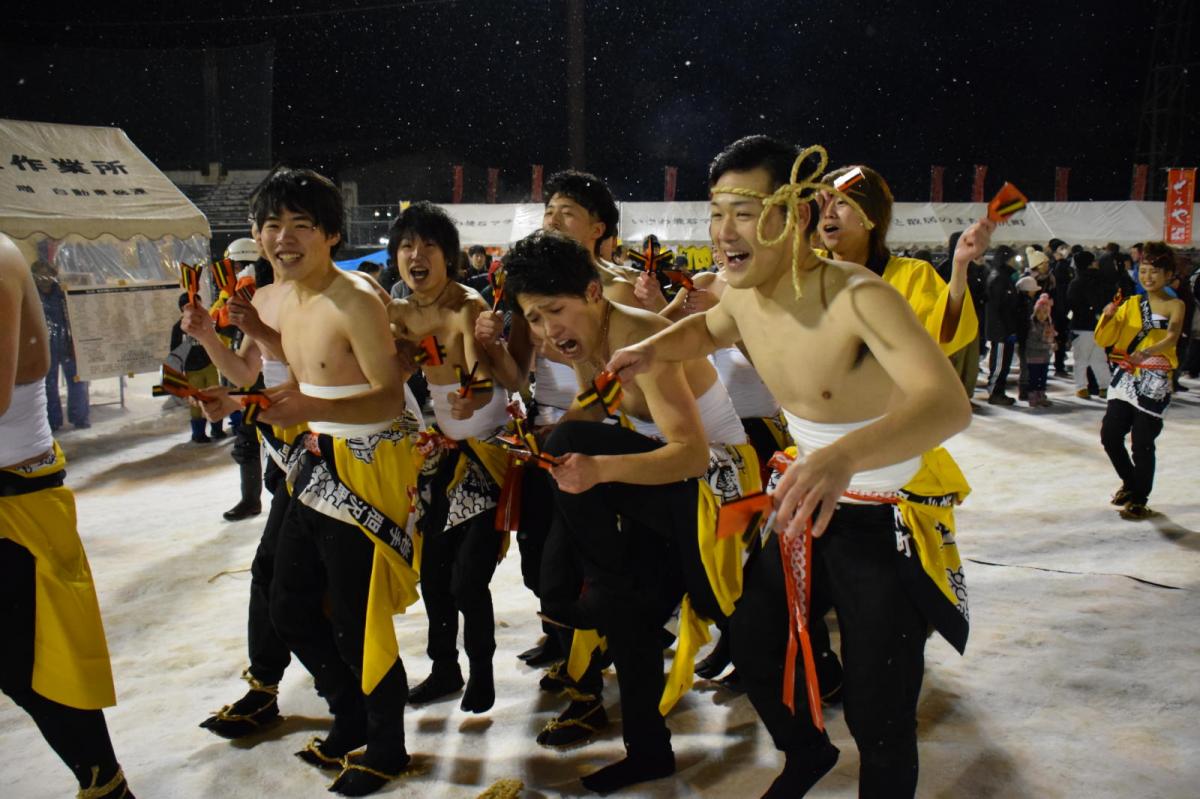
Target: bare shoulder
(460, 299)
(12, 262)
(630, 325)
(353, 295)
(709, 280)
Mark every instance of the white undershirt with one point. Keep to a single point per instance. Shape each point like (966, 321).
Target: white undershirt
(342, 429)
(554, 388)
(482, 424)
(721, 423)
(24, 427)
(750, 396)
(811, 436)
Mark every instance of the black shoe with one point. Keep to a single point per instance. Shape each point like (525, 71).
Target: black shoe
(715, 662)
(636, 767)
(255, 711)
(360, 776)
(556, 678)
(1001, 399)
(243, 510)
(732, 682)
(802, 769)
(1121, 498)
(445, 679)
(114, 788)
(480, 694)
(547, 652)
(1136, 511)
(582, 719)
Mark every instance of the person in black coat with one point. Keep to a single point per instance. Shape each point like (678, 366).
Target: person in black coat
(1092, 289)
(1003, 323)
(1064, 273)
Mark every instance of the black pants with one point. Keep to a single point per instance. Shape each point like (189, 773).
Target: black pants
(247, 454)
(618, 559)
(320, 559)
(1000, 356)
(269, 655)
(855, 563)
(78, 737)
(456, 567)
(1137, 474)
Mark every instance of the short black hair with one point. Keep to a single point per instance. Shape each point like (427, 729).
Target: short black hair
(476, 249)
(301, 191)
(432, 223)
(550, 264)
(589, 191)
(751, 152)
(370, 267)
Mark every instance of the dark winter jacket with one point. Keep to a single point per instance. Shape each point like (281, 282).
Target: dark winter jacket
(1087, 295)
(1003, 303)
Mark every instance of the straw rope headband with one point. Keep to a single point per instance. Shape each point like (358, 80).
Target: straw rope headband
(791, 196)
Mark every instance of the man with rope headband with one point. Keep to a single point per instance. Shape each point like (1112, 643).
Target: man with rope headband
(868, 397)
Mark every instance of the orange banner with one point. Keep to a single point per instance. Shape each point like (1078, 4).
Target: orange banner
(1177, 215)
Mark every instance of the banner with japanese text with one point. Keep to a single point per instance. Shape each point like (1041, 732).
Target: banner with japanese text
(1177, 213)
(73, 180)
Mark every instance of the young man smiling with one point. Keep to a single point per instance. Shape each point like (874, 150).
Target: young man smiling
(868, 397)
(344, 562)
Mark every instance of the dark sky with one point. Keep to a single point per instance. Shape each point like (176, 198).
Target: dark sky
(1020, 86)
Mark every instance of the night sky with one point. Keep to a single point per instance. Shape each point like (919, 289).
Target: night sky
(1020, 86)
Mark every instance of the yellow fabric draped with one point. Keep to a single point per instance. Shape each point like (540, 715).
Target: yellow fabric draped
(1125, 324)
(70, 656)
(928, 295)
(384, 481)
(932, 526)
(723, 560)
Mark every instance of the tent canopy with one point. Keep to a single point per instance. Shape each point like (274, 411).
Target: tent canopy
(62, 180)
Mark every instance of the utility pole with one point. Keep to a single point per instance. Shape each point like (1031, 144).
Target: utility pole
(576, 85)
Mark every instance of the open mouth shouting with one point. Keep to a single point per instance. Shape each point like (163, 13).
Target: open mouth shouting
(568, 347)
(736, 259)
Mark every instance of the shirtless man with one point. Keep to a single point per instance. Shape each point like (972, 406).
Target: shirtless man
(625, 577)
(868, 396)
(55, 661)
(461, 545)
(581, 206)
(343, 537)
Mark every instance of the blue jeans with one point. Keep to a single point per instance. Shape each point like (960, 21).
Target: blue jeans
(77, 392)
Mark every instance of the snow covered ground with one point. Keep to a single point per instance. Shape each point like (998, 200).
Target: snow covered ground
(1078, 681)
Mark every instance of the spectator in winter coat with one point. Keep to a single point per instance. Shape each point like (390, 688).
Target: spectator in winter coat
(1089, 292)
(1003, 323)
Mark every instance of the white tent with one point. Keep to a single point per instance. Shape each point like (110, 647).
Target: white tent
(63, 180)
(89, 202)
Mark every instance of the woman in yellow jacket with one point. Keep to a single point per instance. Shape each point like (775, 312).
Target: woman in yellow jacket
(1142, 331)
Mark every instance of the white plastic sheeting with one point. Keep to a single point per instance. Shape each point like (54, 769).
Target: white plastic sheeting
(913, 224)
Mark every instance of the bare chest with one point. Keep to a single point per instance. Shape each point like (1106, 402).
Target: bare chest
(817, 369)
(317, 348)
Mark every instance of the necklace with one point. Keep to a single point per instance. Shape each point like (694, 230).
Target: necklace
(603, 340)
(417, 304)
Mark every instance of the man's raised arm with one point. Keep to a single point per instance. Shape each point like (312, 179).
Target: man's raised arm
(694, 337)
